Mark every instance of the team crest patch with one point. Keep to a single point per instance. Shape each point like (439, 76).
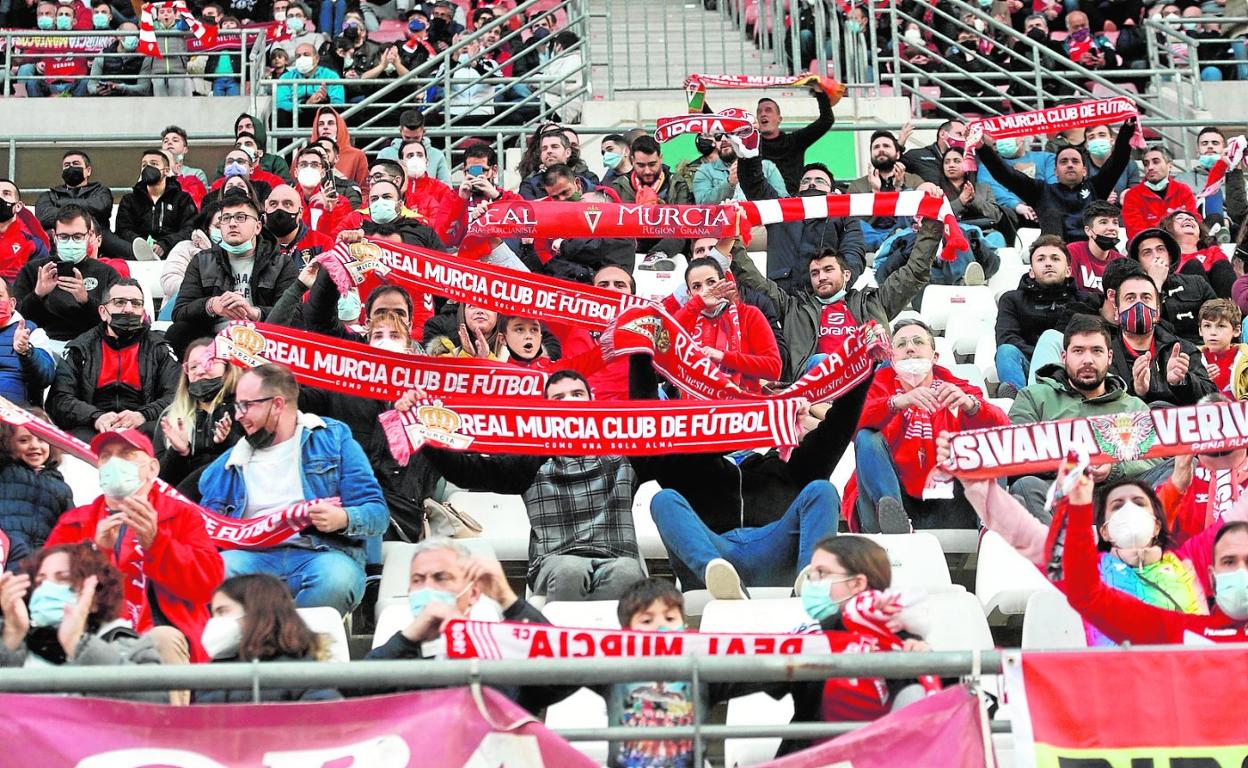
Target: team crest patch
(1125, 436)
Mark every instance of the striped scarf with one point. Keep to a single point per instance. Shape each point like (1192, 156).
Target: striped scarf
(148, 45)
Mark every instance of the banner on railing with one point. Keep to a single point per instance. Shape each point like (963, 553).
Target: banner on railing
(48, 45)
(377, 732)
(1147, 707)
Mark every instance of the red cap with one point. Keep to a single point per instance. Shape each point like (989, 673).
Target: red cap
(131, 437)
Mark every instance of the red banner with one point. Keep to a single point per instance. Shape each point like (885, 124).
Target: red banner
(944, 729)
(351, 368)
(274, 31)
(1117, 708)
(431, 728)
(1023, 449)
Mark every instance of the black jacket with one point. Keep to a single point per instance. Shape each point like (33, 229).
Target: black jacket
(93, 196)
(168, 221)
(72, 403)
(174, 467)
(579, 258)
(791, 244)
(788, 150)
(209, 275)
(1193, 387)
(1068, 201)
(412, 232)
(266, 694)
(926, 162)
(1181, 297)
(1031, 309)
(30, 504)
(1220, 275)
(58, 313)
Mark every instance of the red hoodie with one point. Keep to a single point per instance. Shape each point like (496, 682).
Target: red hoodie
(912, 445)
(441, 206)
(1120, 616)
(183, 566)
(750, 351)
(351, 161)
(1142, 208)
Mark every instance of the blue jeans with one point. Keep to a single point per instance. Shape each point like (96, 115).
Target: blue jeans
(872, 237)
(1240, 49)
(767, 556)
(27, 73)
(877, 477)
(225, 86)
(314, 576)
(1049, 348)
(1011, 365)
(332, 12)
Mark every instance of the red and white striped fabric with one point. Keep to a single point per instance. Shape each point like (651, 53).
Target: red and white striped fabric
(148, 45)
(1217, 174)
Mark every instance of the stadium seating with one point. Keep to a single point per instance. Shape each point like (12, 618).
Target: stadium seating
(585, 708)
(396, 570)
(326, 621)
(1049, 623)
(1004, 580)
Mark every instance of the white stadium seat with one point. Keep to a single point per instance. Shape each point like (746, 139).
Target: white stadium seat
(918, 561)
(1051, 624)
(648, 541)
(326, 621)
(504, 522)
(396, 570)
(1005, 580)
(940, 302)
(585, 708)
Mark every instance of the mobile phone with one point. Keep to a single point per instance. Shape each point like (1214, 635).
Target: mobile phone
(475, 170)
(327, 184)
(64, 269)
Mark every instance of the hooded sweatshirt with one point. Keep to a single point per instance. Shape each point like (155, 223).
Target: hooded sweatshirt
(351, 161)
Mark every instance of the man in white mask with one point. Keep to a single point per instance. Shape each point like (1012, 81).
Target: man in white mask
(435, 200)
(909, 404)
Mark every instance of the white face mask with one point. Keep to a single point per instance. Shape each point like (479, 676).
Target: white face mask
(912, 371)
(308, 177)
(390, 345)
(914, 37)
(1131, 526)
(222, 635)
(416, 166)
(304, 65)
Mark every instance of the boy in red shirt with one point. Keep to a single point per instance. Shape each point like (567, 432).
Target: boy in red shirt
(1226, 361)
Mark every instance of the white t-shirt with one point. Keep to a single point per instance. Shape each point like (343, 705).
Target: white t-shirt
(274, 477)
(240, 269)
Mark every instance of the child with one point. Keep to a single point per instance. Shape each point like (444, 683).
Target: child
(523, 338)
(1226, 362)
(32, 492)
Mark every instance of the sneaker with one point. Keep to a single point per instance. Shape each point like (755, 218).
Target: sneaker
(801, 579)
(143, 250)
(1006, 389)
(974, 274)
(723, 582)
(658, 262)
(892, 516)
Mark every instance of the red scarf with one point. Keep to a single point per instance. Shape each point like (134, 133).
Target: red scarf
(720, 329)
(1217, 174)
(731, 120)
(1054, 120)
(148, 44)
(697, 83)
(647, 194)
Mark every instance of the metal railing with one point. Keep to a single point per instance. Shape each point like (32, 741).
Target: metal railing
(1170, 42)
(389, 675)
(36, 46)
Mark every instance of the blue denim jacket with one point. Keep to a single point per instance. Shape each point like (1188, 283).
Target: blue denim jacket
(333, 465)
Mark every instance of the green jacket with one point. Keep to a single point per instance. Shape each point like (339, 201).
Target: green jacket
(1052, 397)
(801, 312)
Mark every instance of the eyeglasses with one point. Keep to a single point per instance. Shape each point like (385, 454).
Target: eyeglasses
(242, 406)
(235, 218)
(818, 575)
(78, 237)
(313, 166)
(376, 177)
(123, 303)
(816, 183)
(206, 365)
(913, 341)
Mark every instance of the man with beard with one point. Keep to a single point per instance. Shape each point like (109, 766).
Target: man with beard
(1043, 299)
(718, 180)
(554, 148)
(1081, 386)
(887, 174)
(653, 182)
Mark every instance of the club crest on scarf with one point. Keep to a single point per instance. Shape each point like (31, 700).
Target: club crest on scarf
(11, 414)
(366, 257)
(242, 342)
(437, 424)
(1126, 436)
(651, 328)
(592, 215)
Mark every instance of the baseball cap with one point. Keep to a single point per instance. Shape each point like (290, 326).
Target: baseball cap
(131, 437)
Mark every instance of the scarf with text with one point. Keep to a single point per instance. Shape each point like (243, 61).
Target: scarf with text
(1055, 120)
(730, 120)
(1233, 158)
(629, 428)
(525, 218)
(1028, 449)
(148, 45)
(352, 368)
(696, 85)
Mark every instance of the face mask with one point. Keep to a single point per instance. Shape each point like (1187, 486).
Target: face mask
(126, 325)
(264, 436)
(383, 211)
(151, 175)
(348, 62)
(73, 175)
(71, 252)
(817, 599)
(295, 25)
(48, 603)
(44, 22)
(420, 599)
(703, 143)
(279, 15)
(1137, 319)
(304, 65)
(1131, 527)
(1007, 147)
(119, 478)
(100, 20)
(222, 636)
(416, 166)
(1105, 242)
(833, 298)
(308, 178)
(214, 235)
(281, 223)
(853, 27)
(1208, 161)
(913, 370)
(1231, 593)
(130, 43)
(205, 389)
(236, 169)
(1099, 147)
(914, 37)
(390, 345)
(237, 250)
(680, 628)
(611, 159)
(1038, 35)
(6, 210)
(349, 307)
(64, 23)
(1158, 186)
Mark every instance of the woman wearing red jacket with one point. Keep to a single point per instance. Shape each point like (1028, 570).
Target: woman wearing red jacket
(1200, 255)
(1124, 618)
(735, 335)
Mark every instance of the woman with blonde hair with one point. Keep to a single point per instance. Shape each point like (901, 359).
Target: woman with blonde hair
(198, 426)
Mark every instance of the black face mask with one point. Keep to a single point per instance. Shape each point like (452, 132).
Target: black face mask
(73, 176)
(150, 175)
(1037, 35)
(126, 325)
(704, 144)
(281, 223)
(264, 436)
(812, 192)
(205, 389)
(1105, 242)
(6, 211)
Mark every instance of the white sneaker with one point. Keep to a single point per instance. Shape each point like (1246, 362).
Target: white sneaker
(143, 250)
(723, 582)
(974, 274)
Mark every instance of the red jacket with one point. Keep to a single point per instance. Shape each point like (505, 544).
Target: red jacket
(324, 221)
(257, 174)
(309, 245)
(915, 456)
(1142, 208)
(608, 379)
(756, 357)
(1120, 616)
(183, 566)
(192, 186)
(440, 205)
